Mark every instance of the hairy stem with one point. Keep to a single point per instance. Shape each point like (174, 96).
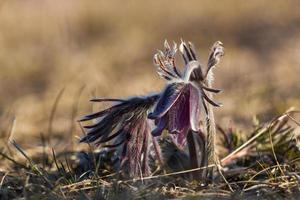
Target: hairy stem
(212, 158)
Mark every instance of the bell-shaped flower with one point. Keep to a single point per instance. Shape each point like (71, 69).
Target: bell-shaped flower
(180, 105)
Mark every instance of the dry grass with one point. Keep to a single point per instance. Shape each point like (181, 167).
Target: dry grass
(104, 48)
(264, 164)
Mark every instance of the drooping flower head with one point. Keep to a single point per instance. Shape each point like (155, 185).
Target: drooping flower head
(126, 128)
(179, 107)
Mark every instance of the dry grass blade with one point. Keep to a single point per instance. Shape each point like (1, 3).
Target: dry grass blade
(16, 163)
(294, 120)
(260, 172)
(13, 142)
(74, 113)
(265, 129)
(11, 134)
(52, 114)
(168, 174)
(33, 166)
(243, 146)
(3, 178)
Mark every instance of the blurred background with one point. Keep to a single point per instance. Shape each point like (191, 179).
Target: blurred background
(56, 55)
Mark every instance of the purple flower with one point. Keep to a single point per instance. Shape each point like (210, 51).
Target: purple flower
(179, 107)
(177, 110)
(126, 128)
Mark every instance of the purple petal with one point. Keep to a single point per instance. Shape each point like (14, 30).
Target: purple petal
(194, 108)
(168, 98)
(179, 113)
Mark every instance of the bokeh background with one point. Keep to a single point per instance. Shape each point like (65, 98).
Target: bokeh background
(55, 55)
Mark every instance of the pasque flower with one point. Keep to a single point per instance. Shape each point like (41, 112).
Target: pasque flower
(127, 129)
(180, 105)
(127, 125)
